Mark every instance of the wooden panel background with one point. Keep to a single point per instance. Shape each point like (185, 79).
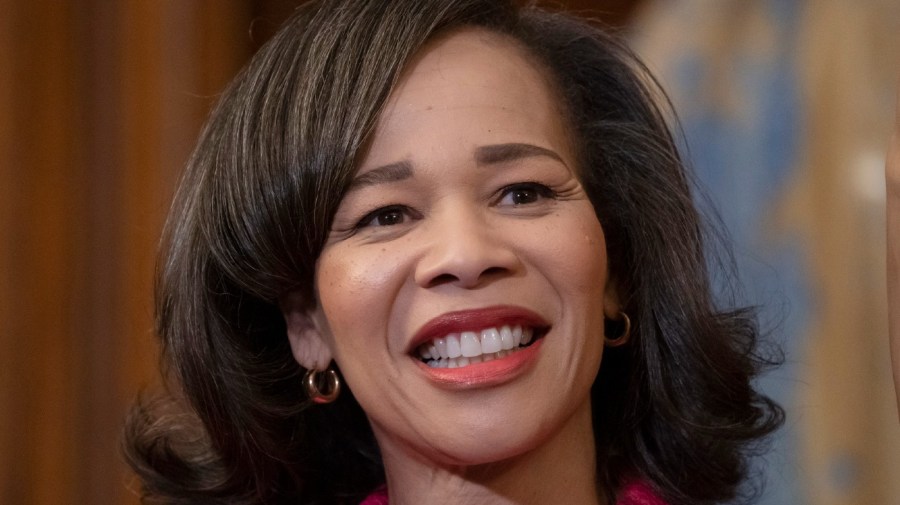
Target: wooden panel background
(100, 103)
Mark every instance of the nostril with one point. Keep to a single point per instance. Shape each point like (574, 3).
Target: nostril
(466, 257)
(493, 271)
(447, 278)
(443, 279)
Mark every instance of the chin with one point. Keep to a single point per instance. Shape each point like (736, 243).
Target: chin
(487, 451)
(493, 438)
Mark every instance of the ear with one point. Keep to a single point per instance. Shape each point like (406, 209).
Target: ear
(612, 305)
(616, 321)
(305, 332)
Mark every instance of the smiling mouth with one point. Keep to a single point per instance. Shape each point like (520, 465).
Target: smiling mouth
(456, 350)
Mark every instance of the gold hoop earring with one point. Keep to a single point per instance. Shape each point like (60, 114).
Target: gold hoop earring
(622, 339)
(311, 382)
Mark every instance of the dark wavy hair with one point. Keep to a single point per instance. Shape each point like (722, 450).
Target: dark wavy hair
(675, 407)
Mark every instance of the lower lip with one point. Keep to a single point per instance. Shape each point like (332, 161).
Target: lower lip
(491, 373)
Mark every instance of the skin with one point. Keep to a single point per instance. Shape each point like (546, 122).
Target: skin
(892, 176)
(458, 231)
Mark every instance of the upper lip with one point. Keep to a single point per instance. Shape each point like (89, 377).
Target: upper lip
(475, 320)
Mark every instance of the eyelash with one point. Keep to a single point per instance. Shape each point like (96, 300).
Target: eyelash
(403, 212)
(540, 190)
(383, 211)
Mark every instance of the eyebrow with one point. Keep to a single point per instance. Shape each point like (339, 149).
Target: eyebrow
(502, 153)
(391, 172)
(484, 155)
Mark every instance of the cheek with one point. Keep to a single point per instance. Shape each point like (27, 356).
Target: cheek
(353, 289)
(579, 255)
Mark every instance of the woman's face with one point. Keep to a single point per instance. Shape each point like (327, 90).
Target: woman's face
(466, 230)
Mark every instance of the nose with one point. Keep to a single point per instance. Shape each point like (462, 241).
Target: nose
(466, 251)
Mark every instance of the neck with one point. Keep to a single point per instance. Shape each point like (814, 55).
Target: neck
(563, 469)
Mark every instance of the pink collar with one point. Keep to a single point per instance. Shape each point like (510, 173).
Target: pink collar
(636, 492)
(378, 497)
(633, 493)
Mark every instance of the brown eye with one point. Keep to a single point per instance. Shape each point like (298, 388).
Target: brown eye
(525, 193)
(388, 218)
(385, 216)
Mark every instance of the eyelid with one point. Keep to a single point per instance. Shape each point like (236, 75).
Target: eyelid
(366, 220)
(543, 190)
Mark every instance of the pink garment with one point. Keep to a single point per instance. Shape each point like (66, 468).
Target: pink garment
(633, 493)
(378, 497)
(636, 493)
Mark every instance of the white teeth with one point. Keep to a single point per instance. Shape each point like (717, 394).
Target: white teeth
(470, 347)
(526, 335)
(469, 343)
(490, 341)
(441, 345)
(506, 338)
(453, 349)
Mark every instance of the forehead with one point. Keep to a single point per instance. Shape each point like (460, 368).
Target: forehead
(471, 74)
(471, 58)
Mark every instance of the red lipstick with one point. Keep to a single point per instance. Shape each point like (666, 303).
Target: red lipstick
(474, 320)
(490, 373)
(487, 373)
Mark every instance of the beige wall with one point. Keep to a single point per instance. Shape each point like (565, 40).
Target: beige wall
(851, 55)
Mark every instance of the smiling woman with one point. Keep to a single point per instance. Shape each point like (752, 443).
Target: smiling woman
(473, 217)
(487, 231)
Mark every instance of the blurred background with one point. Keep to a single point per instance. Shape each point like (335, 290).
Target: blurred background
(784, 105)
